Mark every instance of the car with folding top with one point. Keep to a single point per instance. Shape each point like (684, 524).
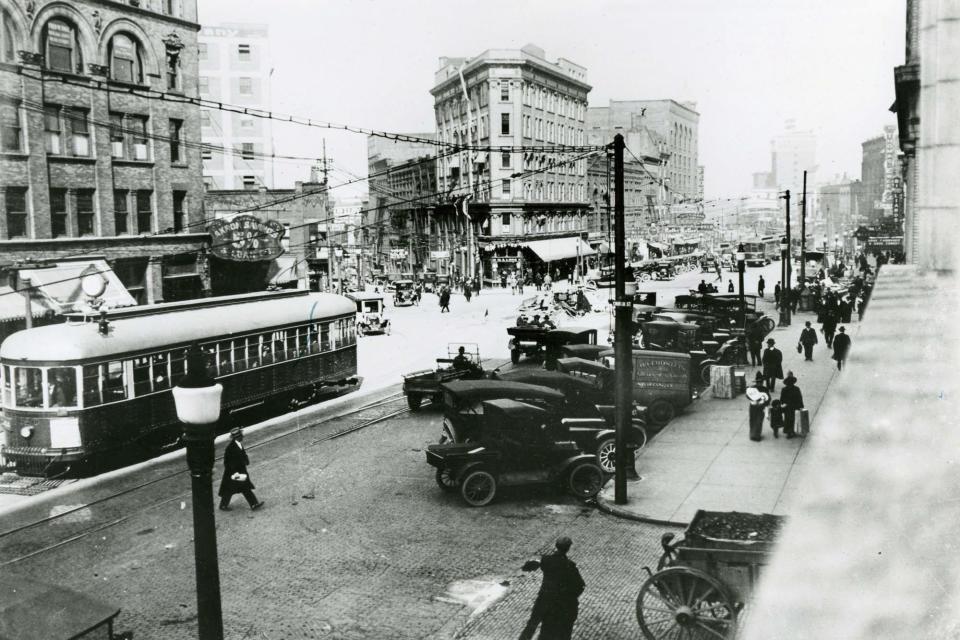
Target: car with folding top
(427, 384)
(518, 446)
(544, 344)
(371, 317)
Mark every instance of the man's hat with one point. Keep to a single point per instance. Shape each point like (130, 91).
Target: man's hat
(236, 431)
(789, 379)
(771, 341)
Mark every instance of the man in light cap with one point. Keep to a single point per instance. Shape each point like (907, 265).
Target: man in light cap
(235, 476)
(557, 604)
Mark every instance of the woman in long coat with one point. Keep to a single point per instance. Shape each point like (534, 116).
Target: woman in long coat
(759, 399)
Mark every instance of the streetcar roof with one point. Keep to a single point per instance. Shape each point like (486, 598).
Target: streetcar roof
(82, 341)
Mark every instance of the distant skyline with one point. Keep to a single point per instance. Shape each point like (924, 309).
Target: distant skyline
(750, 65)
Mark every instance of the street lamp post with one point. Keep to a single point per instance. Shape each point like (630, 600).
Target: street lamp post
(197, 399)
(741, 263)
(785, 290)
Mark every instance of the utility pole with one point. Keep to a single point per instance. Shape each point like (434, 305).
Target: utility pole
(469, 165)
(608, 219)
(803, 233)
(623, 343)
(785, 269)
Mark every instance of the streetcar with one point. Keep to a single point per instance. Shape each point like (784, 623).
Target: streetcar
(79, 394)
(761, 251)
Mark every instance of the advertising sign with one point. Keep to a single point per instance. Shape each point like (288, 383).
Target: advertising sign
(439, 255)
(246, 239)
(398, 254)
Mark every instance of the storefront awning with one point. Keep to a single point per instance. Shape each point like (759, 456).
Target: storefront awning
(283, 269)
(14, 307)
(560, 248)
(58, 287)
(658, 245)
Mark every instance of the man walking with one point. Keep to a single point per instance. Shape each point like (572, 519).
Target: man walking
(235, 476)
(841, 346)
(829, 326)
(557, 604)
(791, 401)
(445, 300)
(761, 286)
(776, 295)
(755, 344)
(719, 273)
(772, 365)
(808, 338)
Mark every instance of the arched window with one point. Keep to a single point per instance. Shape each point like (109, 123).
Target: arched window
(124, 59)
(62, 46)
(7, 47)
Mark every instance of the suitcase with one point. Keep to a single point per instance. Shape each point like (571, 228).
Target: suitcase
(803, 422)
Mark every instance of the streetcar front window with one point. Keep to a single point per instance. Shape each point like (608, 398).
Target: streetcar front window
(29, 386)
(91, 385)
(62, 387)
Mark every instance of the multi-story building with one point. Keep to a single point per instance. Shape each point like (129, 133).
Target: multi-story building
(528, 202)
(236, 68)
(794, 151)
(837, 215)
(677, 124)
(92, 160)
(699, 195)
(881, 177)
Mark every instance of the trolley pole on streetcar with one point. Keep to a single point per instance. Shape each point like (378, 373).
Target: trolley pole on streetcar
(623, 340)
(197, 399)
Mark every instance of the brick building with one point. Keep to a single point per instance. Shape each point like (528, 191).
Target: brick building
(86, 166)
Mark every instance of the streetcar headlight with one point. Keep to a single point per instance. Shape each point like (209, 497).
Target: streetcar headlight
(26, 432)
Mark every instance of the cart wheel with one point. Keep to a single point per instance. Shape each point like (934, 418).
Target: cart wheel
(585, 480)
(478, 488)
(515, 356)
(607, 455)
(413, 401)
(687, 602)
(644, 277)
(661, 412)
(445, 479)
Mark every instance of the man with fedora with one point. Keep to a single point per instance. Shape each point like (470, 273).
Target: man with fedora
(808, 338)
(557, 604)
(841, 346)
(235, 476)
(772, 361)
(791, 399)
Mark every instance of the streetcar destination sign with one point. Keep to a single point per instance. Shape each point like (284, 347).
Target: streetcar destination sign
(246, 239)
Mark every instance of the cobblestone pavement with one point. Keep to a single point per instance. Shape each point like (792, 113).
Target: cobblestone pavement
(356, 541)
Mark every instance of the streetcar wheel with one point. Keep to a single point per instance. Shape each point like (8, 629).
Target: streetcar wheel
(661, 412)
(478, 488)
(585, 480)
(515, 356)
(607, 455)
(445, 479)
(688, 602)
(413, 401)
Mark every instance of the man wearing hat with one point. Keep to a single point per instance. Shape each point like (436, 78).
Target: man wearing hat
(792, 401)
(235, 476)
(841, 346)
(772, 361)
(557, 604)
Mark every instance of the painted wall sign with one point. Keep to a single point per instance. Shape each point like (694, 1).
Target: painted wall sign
(246, 239)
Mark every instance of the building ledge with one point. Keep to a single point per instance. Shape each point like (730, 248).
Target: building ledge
(869, 550)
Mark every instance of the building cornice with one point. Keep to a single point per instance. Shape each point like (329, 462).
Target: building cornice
(126, 6)
(476, 64)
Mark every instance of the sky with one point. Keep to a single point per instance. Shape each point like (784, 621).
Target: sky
(748, 64)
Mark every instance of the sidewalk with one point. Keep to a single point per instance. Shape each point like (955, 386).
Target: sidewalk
(704, 459)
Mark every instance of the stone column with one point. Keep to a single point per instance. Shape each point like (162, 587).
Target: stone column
(153, 280)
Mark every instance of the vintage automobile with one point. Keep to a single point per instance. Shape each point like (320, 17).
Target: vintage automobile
(585, 351)
(555, 339)
(426, 383)
(429, 281)
(541, 343)
(518, 446)
(586, 413)
(462, 403)
(684, 337)
(370, 315)
(404, 293)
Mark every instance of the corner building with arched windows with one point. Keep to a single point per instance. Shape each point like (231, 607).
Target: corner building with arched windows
(87, 166)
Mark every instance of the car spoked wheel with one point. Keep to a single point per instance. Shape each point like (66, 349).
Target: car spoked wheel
(585, 480)
(661, 412)
(607, 455)
(478, 488)
(446, 480)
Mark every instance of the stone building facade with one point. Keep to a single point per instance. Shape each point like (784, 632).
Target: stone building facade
(88, 162)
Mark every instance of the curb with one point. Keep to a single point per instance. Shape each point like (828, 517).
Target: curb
(612, 509)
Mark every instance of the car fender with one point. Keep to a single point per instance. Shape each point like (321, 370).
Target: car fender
(604, 434)
(512, 344)
(568, 463)
(470, 466)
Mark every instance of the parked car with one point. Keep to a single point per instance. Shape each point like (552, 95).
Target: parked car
(463, 403)
(426, 383)
(370, 315)
(517, 448)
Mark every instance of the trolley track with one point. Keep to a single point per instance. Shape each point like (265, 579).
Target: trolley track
(42, 534)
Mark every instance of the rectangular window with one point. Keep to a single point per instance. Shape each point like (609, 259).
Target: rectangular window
(249, 183)
(505, 188)
(243, 52)
(51, 126)
(176, 140)
(170, 7)
(505, 159)
(141, 376)
(144, 211)
(117, 139)
(29, 386)
(120, 211)
(245, 86)
(60, 43)
(10, 126)
(179, 210)
(85, 212)
(139, 138)
(58, 212)
(16, 212)
(206, 154)
(505, 222)
(246, 150)
(173, 71)
(246, 123)
(504, 91)
(114, 383)
(505, 124)
(61, 387)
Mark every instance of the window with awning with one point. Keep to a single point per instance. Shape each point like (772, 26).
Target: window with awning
(560, 248)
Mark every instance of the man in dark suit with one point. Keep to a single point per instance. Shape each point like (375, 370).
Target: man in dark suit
(808, 338)
(235, 476)
(772, 365)
(557, 604)
(841, 346)
(791, 399)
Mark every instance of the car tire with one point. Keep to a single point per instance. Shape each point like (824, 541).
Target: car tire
(640, 435)
(414, 400)
(515, 356)
(705, 371)
(446, 480)
(585, 480)
(606, 453)
(478, 487)
(661, 412)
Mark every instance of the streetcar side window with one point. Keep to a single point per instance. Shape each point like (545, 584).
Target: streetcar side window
(351, 330)
(325, 336)
(114, 386)
(91, 385)
(253, 351)
(239, 354)
(303, 342)
(161, 373)
(29, 386)
(178, 365)
(224, 357)
(141, 376)
(278, 346)
(266, 348)
(315, 338)
(62, 387)
(291, 343)
(7, 387)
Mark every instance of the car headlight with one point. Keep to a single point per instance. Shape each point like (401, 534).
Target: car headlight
(26, 432)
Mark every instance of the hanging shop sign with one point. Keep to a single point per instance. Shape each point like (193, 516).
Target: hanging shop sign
(439, 255)
(246, 239)
(398, 254)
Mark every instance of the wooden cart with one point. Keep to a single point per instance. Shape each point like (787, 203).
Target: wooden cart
(704, 579)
